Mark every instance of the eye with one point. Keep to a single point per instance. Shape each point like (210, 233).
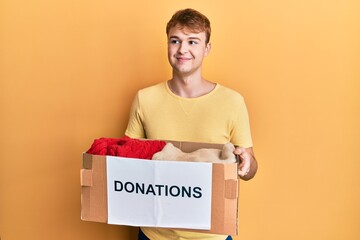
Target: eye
(174, 41)
(193, 42)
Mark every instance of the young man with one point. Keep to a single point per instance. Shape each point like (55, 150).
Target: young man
(190, 108)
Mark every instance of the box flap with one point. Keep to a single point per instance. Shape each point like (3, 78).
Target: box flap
(86, 177)
(94, 198)
(231, 189)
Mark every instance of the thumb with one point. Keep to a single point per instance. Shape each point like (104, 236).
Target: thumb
(239, 150)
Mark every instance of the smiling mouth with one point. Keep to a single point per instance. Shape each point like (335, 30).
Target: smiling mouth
(182, 59)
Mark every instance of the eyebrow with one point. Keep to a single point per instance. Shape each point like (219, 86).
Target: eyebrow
(190, 38)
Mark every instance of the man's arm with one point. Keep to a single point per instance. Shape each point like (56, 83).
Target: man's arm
(248, 164)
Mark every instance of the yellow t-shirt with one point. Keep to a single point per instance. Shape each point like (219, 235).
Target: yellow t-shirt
(217, 117)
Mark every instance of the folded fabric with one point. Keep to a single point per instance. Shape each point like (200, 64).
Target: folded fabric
(224, 155)
(126, 147)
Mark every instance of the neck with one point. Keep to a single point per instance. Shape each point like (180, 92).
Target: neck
(190, 86)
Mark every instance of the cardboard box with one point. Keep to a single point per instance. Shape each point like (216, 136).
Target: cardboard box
(224, 199)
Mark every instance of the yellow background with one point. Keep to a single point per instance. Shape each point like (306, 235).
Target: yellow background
(69, 70)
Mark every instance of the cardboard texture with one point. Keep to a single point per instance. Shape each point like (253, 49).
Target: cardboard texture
(224, 191)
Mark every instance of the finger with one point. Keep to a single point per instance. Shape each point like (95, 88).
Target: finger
(244, 167)
(243, 171)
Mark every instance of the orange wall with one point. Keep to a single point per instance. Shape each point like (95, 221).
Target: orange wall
(69, 70)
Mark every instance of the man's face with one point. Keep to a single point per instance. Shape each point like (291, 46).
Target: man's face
(186, 50)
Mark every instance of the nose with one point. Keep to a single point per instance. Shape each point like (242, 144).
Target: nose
(183, 48)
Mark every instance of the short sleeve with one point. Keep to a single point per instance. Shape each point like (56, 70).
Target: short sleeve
(135, 128)
(241, 134)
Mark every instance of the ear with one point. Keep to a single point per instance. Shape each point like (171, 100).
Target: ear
(207, 49)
